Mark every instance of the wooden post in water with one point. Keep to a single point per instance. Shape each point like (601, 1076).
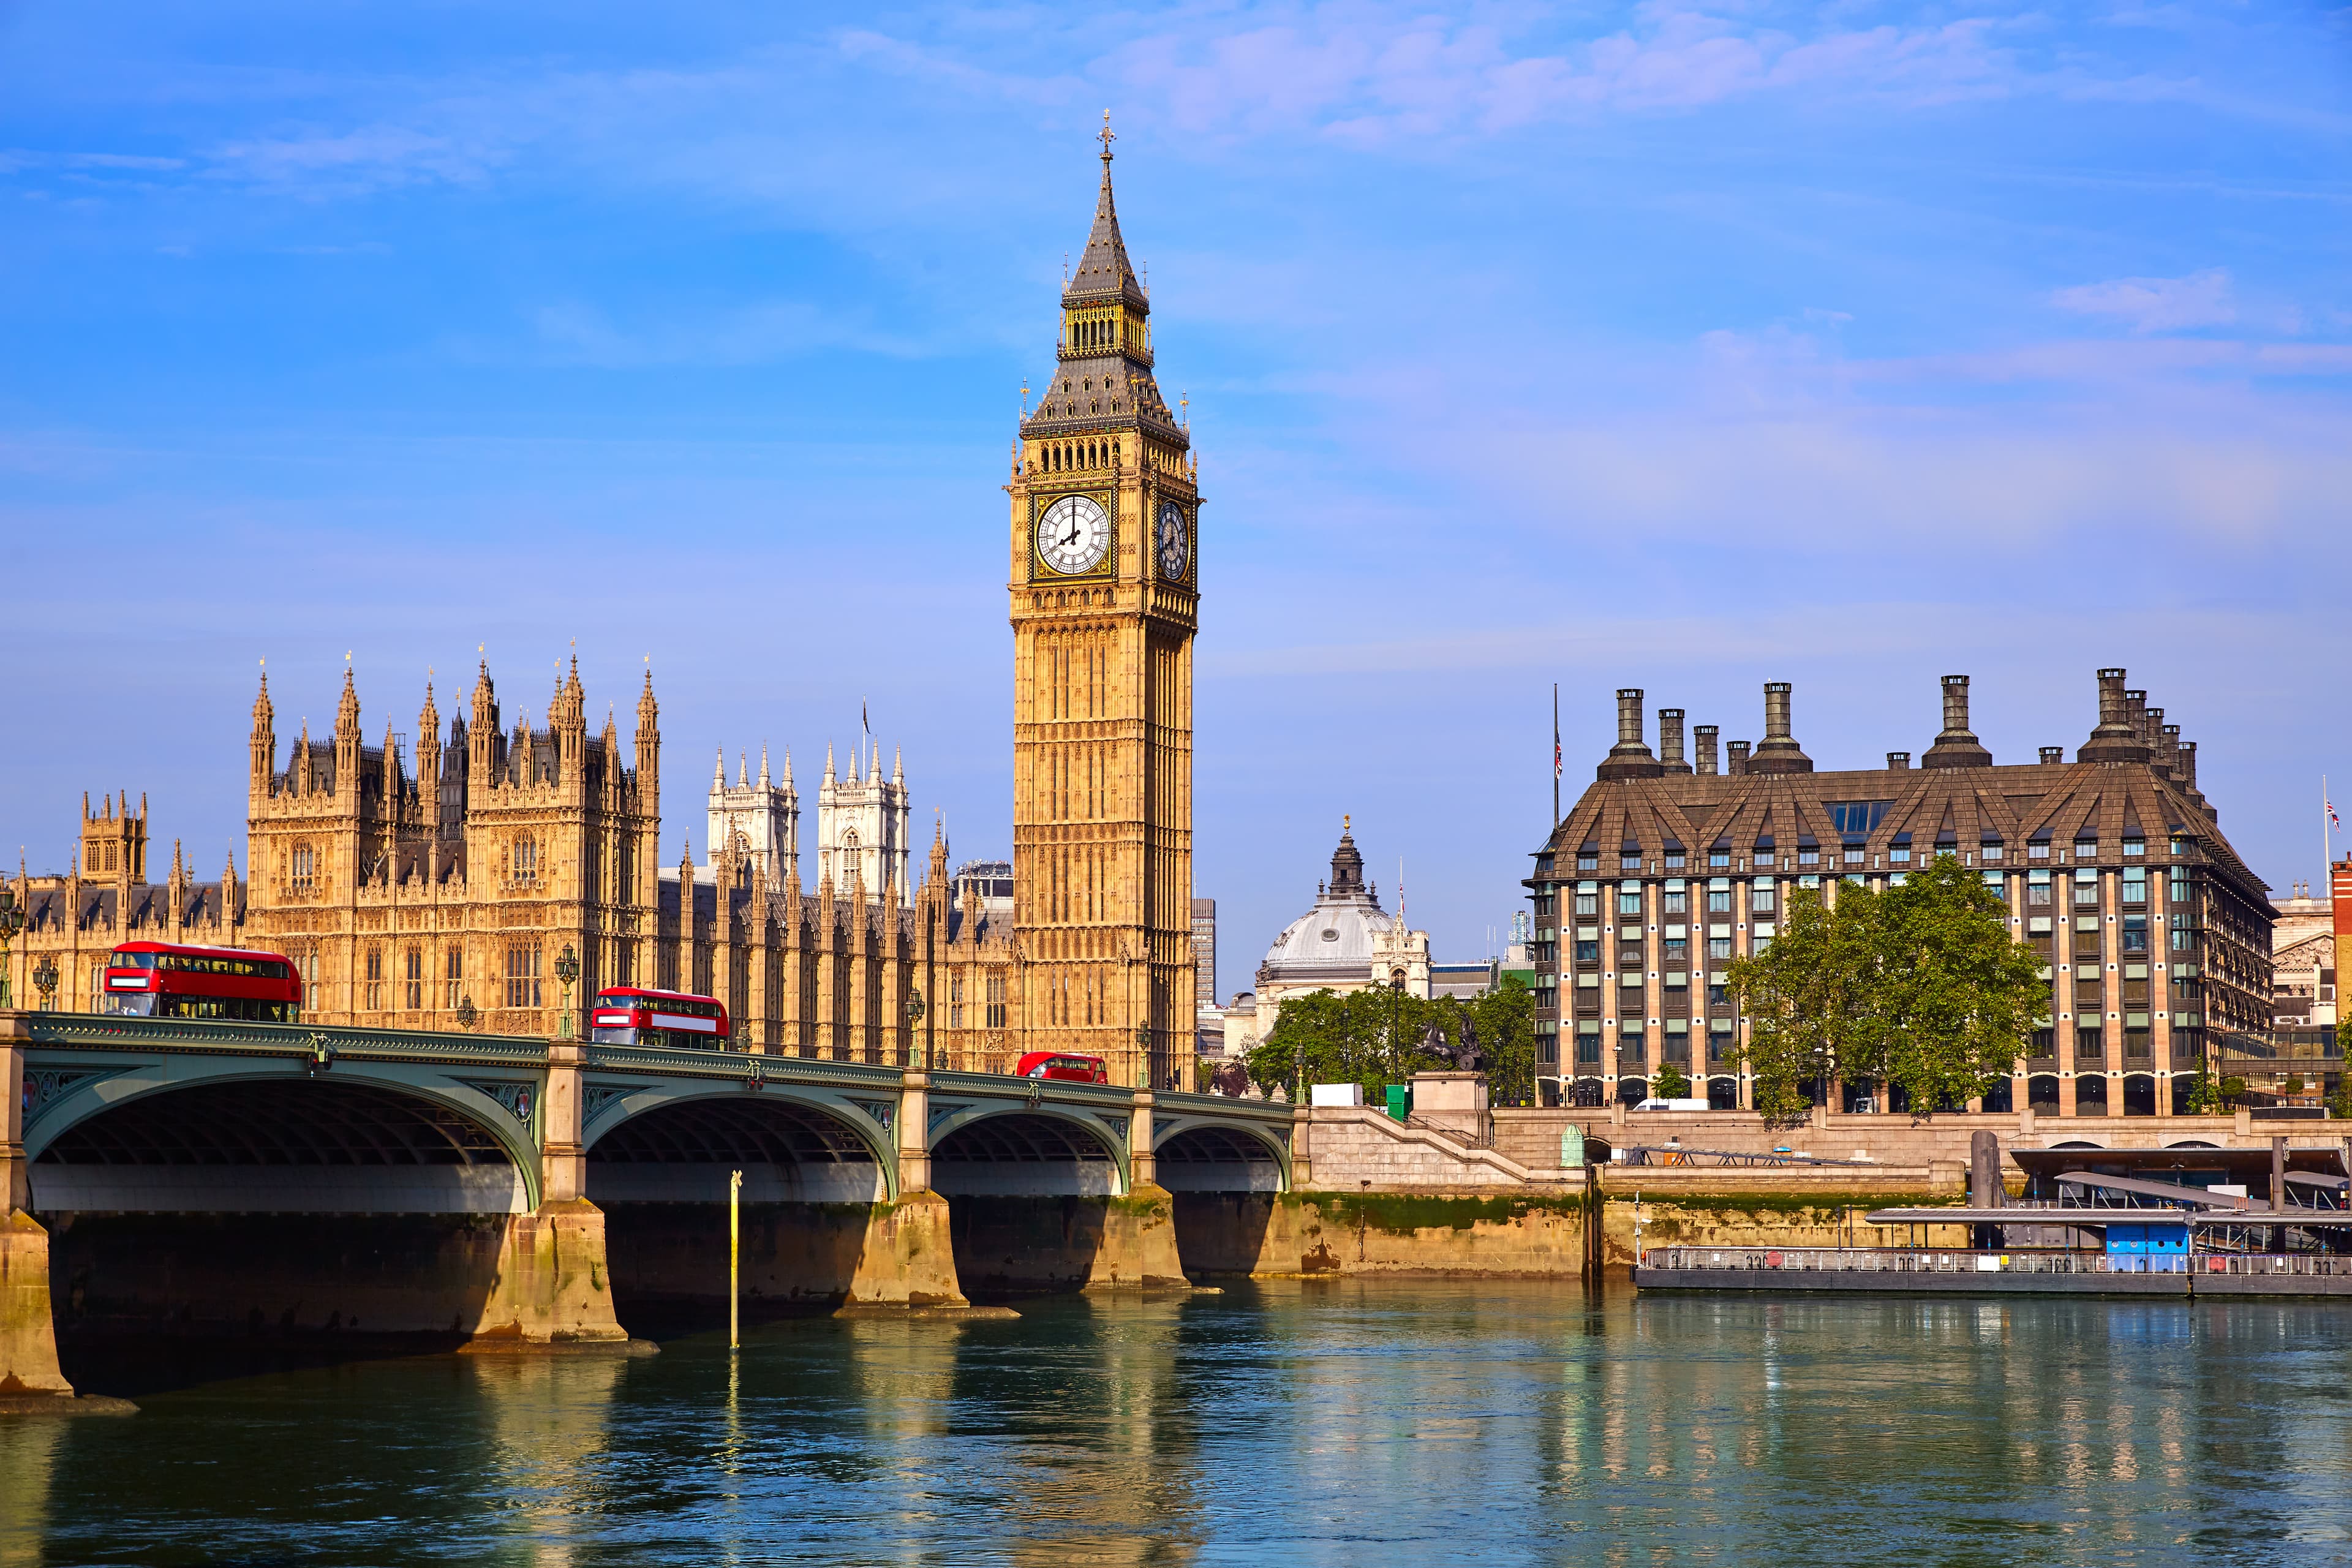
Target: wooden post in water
(735, 1261)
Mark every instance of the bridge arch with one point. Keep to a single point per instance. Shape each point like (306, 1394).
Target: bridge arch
(1204, 1157)
(678, 1144)
(198, 1134)
(1018, 1150)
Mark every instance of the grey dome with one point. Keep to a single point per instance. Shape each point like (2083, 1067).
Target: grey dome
(1331, 942)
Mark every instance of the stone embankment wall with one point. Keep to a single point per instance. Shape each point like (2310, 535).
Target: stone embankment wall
(1478, 1233)
(1532, 1137)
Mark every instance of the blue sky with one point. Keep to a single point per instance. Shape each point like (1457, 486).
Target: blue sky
(1683, 347)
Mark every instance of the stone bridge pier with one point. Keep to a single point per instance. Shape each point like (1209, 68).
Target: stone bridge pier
(241, 1180)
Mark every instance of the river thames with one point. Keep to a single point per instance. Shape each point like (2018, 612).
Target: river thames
(1327, 1423)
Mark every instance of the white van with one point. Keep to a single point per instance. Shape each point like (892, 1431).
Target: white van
(1672, 1105)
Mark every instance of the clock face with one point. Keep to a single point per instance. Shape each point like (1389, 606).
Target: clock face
(1175, 545)
(1073, 533)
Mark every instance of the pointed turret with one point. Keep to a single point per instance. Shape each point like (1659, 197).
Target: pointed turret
(763, 764)
(742, 770)
(347, 711)
(719, 769)
(788, 770)
(648, 748)
(1102, 378)
(1103, 271)
(482, 734)
(265, 741)
(428, 762)
(828, 764)
(898, 766)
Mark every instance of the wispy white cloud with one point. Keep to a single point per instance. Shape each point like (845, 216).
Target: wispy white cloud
(370, 158)
(2156, 304)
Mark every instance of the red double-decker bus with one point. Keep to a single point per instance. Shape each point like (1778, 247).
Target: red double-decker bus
(160, 980)
(1062, 1065)
(633, 1015)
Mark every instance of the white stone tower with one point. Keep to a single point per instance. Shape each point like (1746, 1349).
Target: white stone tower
(862, 828)
(767, 816)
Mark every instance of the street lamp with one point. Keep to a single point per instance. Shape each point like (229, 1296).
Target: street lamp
(567, 969)
(12, 921)
(914, 1023)
(44, 980)
(1143, 1054)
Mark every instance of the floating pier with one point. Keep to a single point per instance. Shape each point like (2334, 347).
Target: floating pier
(2183, 1221)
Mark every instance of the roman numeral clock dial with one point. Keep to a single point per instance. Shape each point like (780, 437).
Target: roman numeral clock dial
(1072, 534)
(1174, 540)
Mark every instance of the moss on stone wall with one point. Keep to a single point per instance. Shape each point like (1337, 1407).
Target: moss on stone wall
(1782, 1205)
(1401, 1214)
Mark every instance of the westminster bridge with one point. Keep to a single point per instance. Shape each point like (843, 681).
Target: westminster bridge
(167, 1175)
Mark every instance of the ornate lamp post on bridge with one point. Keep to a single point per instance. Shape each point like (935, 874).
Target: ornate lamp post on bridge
(567, 970)
(1143, 1054)
(917, 1050)
(44, 981)
(12, 921)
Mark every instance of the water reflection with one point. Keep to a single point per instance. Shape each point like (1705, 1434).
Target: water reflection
(28, 1447)
(545, 1458)
(1312, 1423)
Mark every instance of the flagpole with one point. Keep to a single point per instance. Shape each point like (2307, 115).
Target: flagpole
(2327, 824)
(1555, 757)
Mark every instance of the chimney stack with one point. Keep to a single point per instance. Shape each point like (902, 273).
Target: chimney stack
(2186, 766)
(2136, 714)
(1670, 741)
(1778, 751)
(1630, 757)
(2115, 741)
(1956, 746)
(2053, 756)
(1706, 734)
(1896, 762)
(1739, 751)
(2169, 750)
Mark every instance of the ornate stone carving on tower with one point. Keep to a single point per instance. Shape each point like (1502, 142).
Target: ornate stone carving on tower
(861, 829)
(1104, 588)
(765, 817)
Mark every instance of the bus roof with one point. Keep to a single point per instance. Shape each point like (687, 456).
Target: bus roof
(198, 951)
(648, 991)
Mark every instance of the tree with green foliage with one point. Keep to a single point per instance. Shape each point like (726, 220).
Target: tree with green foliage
(2204, 1098)
(1956, 994)
(1375, 1037)
(1921, 985)
(2340, 1098)
(1669, 1083)
(1808, 997)
(1504, 1020)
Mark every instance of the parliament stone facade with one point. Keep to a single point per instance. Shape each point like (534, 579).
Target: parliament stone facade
(438, 889)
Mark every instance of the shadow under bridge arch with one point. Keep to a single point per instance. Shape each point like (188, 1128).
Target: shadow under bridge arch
(1219, 1159)
(283, 1145)
(1027, 1153)
(683, 1151)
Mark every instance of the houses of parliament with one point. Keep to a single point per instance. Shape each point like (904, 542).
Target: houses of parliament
(437, 889)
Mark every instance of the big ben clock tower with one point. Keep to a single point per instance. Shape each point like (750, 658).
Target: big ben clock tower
(1105, 590)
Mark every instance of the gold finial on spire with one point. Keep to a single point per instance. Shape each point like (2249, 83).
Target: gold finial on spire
(1107, 137)
(1345, 822)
